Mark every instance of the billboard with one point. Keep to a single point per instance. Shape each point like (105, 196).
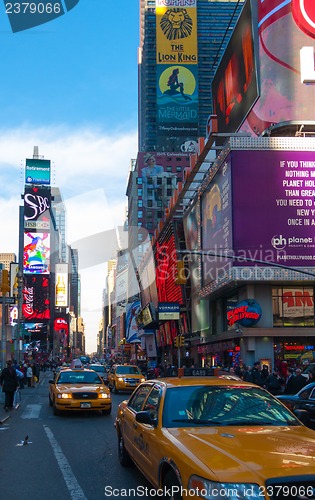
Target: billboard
(158, 182)
(235, 85)
(132, 310)
(285, 28)
(273, 206)
(61, 330)
(37, 202)
(216, 224)
(166, 268)
(36, 258)
(62, 285)
(37, 171)
(192, 238)
(177, 73)
(36, 301)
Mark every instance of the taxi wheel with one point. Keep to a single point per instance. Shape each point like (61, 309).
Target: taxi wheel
(171, 481)
(107, 412)
(123, 454)
(56, 412)
(50, 401)
(115, 391)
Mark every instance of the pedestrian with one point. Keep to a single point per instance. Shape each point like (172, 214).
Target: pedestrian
(299, 381)
(29, 376)
(9, 383)
(255, 374)
(289, 386)
(273, 383)
(265, 373)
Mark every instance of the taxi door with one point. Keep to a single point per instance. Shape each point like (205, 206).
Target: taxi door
(146, 437)
(128, 418)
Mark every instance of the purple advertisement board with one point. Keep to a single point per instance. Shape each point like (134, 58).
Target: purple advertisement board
(274, 206)
(216, 225)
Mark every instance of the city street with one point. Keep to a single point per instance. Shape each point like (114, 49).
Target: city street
(69, 456)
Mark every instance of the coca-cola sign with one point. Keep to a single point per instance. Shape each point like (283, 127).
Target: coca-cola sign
(36, 303)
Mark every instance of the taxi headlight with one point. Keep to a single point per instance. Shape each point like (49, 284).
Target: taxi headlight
(121, 379)
(211, 490)
(142, 380)
(103, 395)
(64, 395)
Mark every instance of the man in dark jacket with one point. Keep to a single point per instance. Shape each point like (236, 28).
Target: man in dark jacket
(299, 381)
(9, 382)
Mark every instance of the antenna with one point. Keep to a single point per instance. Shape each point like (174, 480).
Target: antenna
(35, 153)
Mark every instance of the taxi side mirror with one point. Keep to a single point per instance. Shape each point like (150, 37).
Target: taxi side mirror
(51, 381)
(145, 417)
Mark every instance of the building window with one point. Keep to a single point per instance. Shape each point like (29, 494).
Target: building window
(140, 203)
(293, 306)
(139, 180)
(140, 214)
(139, 192)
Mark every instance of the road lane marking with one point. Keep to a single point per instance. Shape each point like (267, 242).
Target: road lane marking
(31, 411)
(73, 486)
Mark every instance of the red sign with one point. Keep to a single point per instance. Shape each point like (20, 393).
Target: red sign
(304, 15)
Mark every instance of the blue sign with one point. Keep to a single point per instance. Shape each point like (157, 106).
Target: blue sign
(247, 313)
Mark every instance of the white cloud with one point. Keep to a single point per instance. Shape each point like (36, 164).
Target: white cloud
(91, 169)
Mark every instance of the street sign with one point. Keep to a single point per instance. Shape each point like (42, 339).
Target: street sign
(7, 300)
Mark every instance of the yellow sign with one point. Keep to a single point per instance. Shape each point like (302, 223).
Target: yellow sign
(176, 35)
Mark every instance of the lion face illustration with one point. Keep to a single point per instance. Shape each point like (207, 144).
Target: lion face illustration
(176, 24)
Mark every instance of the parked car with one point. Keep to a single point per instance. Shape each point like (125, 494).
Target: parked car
(303, 400)
(79, 389)
(124, 378)
(214, 437)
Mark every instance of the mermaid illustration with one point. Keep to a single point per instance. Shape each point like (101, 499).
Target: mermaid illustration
(174, 85)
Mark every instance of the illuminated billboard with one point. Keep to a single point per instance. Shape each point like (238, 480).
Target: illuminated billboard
(285, 29)
(62, 285)
(235, 86)
(166, 269)
(258, 208)
(61, 330)
(37, 171)
(36, 259)
(216, 224)
(177, 72)
(36, 300)
(37, 201)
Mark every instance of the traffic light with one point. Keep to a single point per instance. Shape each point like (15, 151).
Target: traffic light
(176, 341)
(180, 276)
(5, 285)
(181, 341)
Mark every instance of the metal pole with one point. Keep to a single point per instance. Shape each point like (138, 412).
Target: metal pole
(3, 334)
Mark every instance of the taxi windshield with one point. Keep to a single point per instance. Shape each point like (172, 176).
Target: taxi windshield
(215, 405)
(79, 378)
(128, 370)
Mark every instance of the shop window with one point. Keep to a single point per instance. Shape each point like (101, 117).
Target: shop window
(293, 306)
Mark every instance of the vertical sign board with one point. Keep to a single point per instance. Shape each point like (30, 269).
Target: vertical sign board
(37, 202)
(62, 285)
(177, 73)
(37, 172)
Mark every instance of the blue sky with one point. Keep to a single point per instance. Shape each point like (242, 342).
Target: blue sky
(70, 87)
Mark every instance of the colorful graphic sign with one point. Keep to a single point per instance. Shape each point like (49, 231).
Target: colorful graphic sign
(234, 86)
(247, 313)
(36, 301)
(36, 258)
(177, 73)
(37, 171)
(61, 330)
(284, 28)
(274, 208)
(216, 225)
(132, 310)
(37, 201)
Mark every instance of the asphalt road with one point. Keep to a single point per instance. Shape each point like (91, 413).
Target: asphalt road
(72, 456)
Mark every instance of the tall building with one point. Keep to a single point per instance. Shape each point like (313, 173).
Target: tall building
(59, 211)
(185, 39)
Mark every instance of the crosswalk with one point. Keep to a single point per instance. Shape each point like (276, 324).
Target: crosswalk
(31, 411)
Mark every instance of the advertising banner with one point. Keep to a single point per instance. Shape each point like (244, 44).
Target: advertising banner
(36, 301)
(235, 85)
(273, 206)
(216, 225)
(37, 171)
(177, 73)
(62, 285)
(285, 29)
(37, 201)
(132, 310)
(36, 258)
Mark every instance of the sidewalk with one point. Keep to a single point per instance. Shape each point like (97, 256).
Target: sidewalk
(4, 415)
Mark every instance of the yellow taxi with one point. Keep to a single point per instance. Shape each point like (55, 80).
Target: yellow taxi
(79, 389)
(215, 438)
(124, 378)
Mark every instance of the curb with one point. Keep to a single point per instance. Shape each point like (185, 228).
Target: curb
(4, 419)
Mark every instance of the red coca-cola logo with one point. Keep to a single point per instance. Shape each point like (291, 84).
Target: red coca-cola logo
(304, 15)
